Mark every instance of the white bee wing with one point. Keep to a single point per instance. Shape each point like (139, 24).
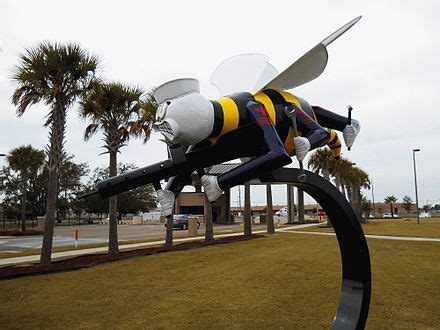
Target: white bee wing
(241, 73)
(310, 65)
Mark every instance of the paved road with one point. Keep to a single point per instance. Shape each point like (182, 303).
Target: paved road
(92, 234)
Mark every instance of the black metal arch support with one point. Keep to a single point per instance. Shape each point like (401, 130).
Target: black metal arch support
(354, 301)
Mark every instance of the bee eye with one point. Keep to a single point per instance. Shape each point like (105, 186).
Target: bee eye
(168, 102)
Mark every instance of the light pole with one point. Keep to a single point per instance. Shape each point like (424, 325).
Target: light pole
(415, 183)
(3, 216)
(372, 195)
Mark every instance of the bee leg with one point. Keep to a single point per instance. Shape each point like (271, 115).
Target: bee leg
(172, 189)
(330, 119)
(349, 127)
(311, 130)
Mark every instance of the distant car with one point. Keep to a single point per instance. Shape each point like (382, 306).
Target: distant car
(181, 221)
(387, 215)
(425, 215)
(282, 212)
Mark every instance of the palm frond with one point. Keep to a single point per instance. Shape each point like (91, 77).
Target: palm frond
(90, 130)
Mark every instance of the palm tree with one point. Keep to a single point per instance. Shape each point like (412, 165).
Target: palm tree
(209, 225)
(300, 194)
(342, 171)
(360, 180)
(117, 110)
(25, 160)
(269, 213)
(290, 203)
(322, 162)
(391, 200)
(56, 74)
(247, 221)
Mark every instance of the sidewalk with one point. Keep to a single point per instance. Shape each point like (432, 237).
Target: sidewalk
(56, 255)
(394, 238)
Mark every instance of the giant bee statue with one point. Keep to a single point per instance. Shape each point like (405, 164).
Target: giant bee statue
(258, 98)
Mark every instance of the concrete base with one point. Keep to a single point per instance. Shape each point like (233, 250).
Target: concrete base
(193, 226)
(137, 220)
(40, 223)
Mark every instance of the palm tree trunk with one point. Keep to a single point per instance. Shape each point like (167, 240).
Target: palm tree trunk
(113, 248)
(359, 205)
(169, 232)
(343, 189)
(350, 195)
(300, 205)
(290, 203)
(209, 227)
(55, 155)
(247, 222)
(269, 215)
(338, 182)
(23, 203)
(391, 209)
(326, 175)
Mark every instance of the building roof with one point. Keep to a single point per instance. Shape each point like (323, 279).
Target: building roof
(222, 168)
(259, 208)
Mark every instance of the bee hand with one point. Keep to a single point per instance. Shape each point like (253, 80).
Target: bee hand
(302, 147)
(350, 132)
(166, 201)
(212, 190)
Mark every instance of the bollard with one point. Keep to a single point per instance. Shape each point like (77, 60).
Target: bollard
(76, 237)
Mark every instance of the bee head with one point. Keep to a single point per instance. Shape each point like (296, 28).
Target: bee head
(184, 115)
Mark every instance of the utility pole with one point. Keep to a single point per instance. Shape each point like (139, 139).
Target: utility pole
(415, 183)
(372, 195)
(2, 213)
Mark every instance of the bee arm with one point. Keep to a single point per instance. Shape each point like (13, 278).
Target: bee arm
(275, 156)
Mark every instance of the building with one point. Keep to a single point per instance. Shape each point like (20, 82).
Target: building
(398, 209)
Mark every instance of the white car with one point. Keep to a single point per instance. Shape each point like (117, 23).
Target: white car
(425, 215)
(282, 212)
(387, 215)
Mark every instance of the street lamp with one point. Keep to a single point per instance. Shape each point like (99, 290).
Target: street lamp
(415, 183)
(372, 194)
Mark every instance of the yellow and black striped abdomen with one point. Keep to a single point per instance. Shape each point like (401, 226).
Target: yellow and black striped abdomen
(334, 143)
(230, 112)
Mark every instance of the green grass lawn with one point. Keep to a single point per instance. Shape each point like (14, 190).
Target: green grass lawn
(289, 281)
(400, 227)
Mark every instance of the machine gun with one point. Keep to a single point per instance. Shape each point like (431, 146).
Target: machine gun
(181, 164)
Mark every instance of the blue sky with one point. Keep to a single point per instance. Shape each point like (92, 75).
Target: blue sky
(387, 67)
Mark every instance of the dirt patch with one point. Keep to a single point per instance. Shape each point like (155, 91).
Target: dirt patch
(90, 260)
(20, 233)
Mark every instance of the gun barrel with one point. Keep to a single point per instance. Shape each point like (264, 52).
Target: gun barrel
(182, 164)
(134, 179)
